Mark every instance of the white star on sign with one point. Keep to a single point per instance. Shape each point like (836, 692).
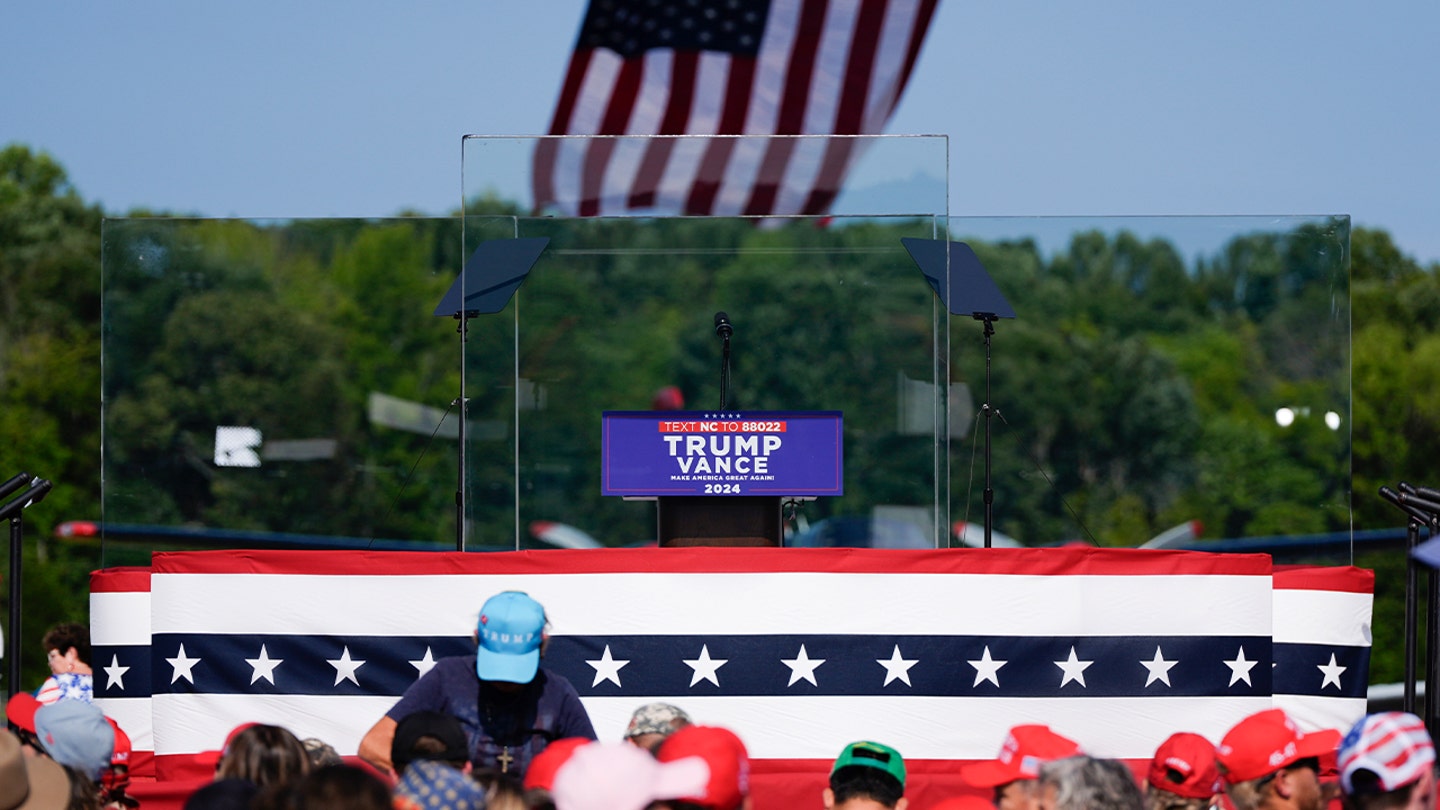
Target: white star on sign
(1240, 668)
(802, 666)
(264, 666)
(897, 668)
(1159, 668)
(345, 667)
(1073, 668)
(116, 673)
(425, 664)
(706, 667)
(1332, 672)
(607, 668)
(987, 668)
(182, 666)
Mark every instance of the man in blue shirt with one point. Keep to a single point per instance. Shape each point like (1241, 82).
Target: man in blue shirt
(509, 706)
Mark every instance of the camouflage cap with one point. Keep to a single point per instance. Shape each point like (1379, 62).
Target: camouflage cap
(656, 718)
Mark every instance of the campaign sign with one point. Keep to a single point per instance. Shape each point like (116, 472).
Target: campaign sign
(783, 453)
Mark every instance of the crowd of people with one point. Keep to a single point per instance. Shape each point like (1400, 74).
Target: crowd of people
(498, 731)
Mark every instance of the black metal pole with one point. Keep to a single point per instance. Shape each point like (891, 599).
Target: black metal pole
(12, 646)
(1432, 644)
(724, 371)
(460, 451)
(1431, 656)
(989, 493)
(1412, 585)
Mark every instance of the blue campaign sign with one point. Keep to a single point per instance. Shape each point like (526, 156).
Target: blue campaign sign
(783, 453)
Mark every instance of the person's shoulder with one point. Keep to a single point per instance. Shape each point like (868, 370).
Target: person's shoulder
(455, 665)
(550, 679)
(49, 691)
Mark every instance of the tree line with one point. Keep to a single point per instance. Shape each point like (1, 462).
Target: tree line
(1137, 391)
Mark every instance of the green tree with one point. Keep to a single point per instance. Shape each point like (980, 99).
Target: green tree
(49, 380)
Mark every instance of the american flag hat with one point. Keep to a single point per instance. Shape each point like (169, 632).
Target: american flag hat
(1393, 746)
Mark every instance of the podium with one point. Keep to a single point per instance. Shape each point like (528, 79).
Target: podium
(702, 520)
(721, 479)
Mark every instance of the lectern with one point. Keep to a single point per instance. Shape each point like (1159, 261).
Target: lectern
(700, 520)
(721, 479)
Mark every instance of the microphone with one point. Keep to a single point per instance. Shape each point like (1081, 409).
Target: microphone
(39, 488)
(722, 325)
(1399, 500)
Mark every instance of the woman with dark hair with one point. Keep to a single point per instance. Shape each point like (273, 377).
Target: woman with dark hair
(67, 650)
(265, 755)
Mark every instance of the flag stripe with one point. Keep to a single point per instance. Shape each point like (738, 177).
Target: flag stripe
(1028, 561)
(1297, 670)
(1313, 713)
(920, 24)
(1343, 578)
(816, 603)
(818, 67)
(680, 95)
(543, 166)
(931, 728)
(199, 722)
(133, 681)
(943, 728)
(864, 50)
(790, 113)
(121, 617)
(121, 579)
(853, 664)
(1323, 617)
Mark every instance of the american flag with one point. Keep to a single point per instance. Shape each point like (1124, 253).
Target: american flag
(800, 651)
(723, 68)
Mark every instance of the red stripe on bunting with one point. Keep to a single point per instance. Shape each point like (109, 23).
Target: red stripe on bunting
(1345, 578)
(122, 579)
(1030, 561)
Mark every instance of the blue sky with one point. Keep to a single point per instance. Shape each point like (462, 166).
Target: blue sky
(356, 109)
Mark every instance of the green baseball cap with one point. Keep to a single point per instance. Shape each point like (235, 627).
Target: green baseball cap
(872, 755)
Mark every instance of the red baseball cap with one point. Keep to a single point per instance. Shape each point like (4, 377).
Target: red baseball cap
(963, 803)
(21, 710)
(1185, 765)
(725, 754)
(541, 773)
(1021, 755)
(123, 746)
(1267, 741)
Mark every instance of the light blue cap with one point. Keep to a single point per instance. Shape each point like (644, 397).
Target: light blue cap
(511, 628)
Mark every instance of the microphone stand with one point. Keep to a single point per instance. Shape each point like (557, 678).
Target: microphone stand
(724, 370)
(1422, 505)
(11, 511)
(989, 494)
(464, 318)
(724, 330)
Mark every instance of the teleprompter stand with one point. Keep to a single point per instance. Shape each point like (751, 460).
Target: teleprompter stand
(957, 276)
(1422, 505)
(490, 278)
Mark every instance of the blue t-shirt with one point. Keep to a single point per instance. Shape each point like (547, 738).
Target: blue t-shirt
(516, 725)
